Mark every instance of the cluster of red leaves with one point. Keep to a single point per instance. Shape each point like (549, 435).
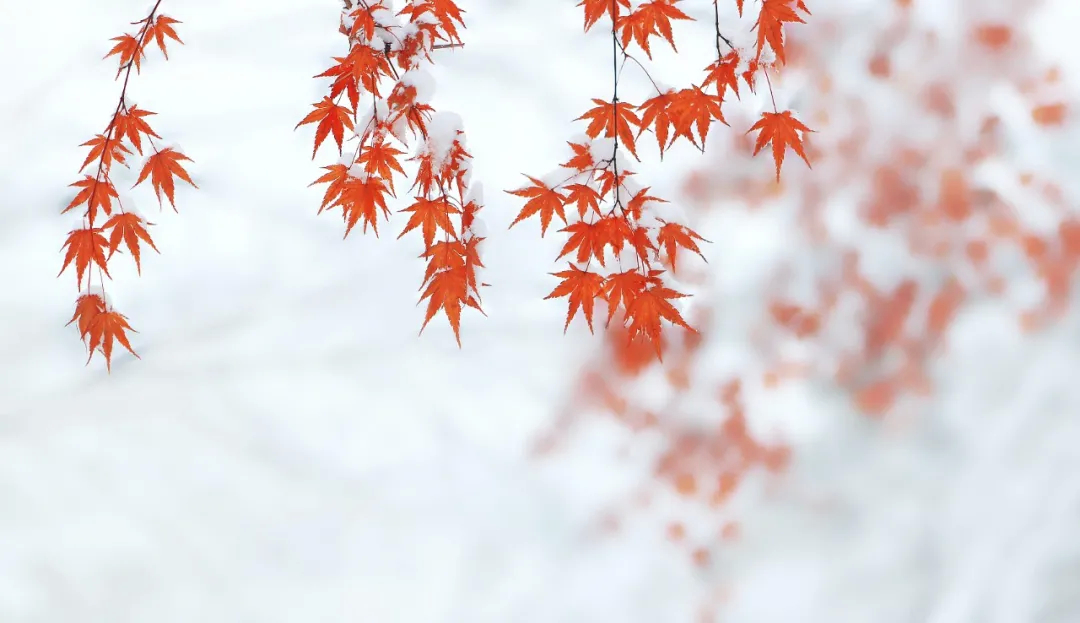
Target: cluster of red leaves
(96, 241)
(610, 208)
(875, 343)
(384, 64)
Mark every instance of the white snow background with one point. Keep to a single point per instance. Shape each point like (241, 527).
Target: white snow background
(289, 450)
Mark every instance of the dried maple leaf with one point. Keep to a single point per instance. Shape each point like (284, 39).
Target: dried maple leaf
(83, 246)
(672, 236)
(96, 194)
(103, 328)
(543, 200)
(130, 228)
(161, 167)
(583, 287)
(331, 118)
(781, 129)
(614, 119)
(429, 214)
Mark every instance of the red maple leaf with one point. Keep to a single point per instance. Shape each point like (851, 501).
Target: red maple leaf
(781, 129)
(161, 167)
(331, 118)
(583, 287)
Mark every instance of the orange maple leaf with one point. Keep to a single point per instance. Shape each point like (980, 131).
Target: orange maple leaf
(650, 19)
(161, 28)
(724, 74)
(108, 148)
(654, 112)
(331, 118)
(380, 158)
(87, 306)
(583, 287)
(613, 119)
(130, 124)
(543, 200)
(161, 167)
(130, 49)
(338, 177)
(130, 228)
(672, 236)
(103, 328)
(648, 308)
(95, 193)
(770, 25)
(694, 106)
(359, 199)
(595, 9)
(624, 287)
(429, 214)
(449, 290)
(781, 129)
(83, 246)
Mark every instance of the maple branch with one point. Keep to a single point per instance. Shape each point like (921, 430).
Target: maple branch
(615, 103)
(716, 22)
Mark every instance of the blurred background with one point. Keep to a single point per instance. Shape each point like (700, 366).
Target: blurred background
(878, 421)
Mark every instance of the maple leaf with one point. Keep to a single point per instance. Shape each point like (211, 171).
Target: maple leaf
(448, 290)
(642, 243)
(161, 167)
(87, 306)
(724, 74)
(543, 200)
(130, 124)
(582, 287)
(161, 28)
(95, 193)
(338, 176)
(595, 9)
(781, 129)
(582, 159)
(770, 25)
(650, 18)
(694, 106)
(130, 228)
(359, 199)
(638, 201)
(613, 119)
(103, 328)
(380, 158)
(624, 287)
(130, 49)
(108, 148)
(586, 197)
(648, 308)
(429, 214)
(331, 118)
(654, 112)
(672, 236)
(83, 246)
